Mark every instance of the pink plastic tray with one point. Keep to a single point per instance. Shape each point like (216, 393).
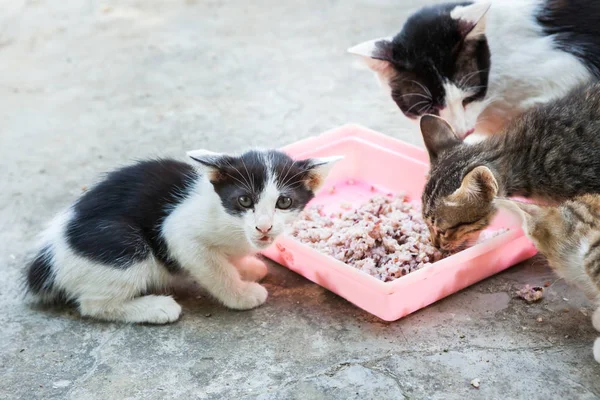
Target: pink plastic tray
(391, 166)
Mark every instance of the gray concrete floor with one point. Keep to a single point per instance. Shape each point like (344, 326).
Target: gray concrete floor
(89, 85)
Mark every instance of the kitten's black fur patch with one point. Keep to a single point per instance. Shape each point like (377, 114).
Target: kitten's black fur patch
(430, 50)
(290, 177)
(247, 175)
(118, 221)
(575, 26)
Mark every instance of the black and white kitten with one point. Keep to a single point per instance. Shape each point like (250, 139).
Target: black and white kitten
(478, 64)
(145, 223)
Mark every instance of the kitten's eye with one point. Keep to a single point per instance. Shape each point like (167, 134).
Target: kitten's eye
(468, 100)
(245, 201)
(283, 203)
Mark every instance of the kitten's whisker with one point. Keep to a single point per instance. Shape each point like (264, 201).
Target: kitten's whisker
(425, 107)
(416, 94)
(294, 185)
(245, 183)
(416, 104)
(284, 169)
(490, 100)
(288, 171)
(242, 183)
(423, 87)
(301, 172)
(465, 79)
(557, 280)
(248, 173)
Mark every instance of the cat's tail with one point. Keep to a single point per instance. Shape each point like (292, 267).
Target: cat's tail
(39, 278)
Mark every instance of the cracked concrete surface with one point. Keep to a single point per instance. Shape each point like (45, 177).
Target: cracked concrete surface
(88, 85)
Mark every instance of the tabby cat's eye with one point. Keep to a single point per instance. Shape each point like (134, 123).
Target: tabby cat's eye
(245, 201)
(283, 203)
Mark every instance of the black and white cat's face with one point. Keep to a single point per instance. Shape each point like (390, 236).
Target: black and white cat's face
(263, 190)
(438, 64)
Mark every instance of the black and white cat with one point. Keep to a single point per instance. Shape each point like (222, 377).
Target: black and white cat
(478, 64)
(145, 223)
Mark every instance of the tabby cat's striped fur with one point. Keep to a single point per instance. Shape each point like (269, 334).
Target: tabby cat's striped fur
(568, 235)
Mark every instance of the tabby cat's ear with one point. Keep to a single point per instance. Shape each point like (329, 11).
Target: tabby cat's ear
(472, 18)
(319, 168)
(375, 53)
(438, 135)
(478, 185)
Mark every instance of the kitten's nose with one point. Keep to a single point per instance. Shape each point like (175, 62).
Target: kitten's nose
(264, 229)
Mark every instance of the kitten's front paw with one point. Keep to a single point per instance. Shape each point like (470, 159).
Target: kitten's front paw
(159, 310)
(597, 350)
(250, 295)
(252, 269)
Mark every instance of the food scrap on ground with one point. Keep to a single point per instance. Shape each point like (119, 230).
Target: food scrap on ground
(531, 294)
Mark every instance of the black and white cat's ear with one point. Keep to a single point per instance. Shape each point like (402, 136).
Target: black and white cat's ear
(206, 158)
(478, 185)
(472, 18)
(319, 168)
(375, 53)
(209, 162)
(438, 135)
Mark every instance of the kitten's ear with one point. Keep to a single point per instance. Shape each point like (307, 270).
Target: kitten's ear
(438, 135)
(319, 168)
(472, 18)
(206, 158)
(375, 53)
(478, 185)
(210, 163)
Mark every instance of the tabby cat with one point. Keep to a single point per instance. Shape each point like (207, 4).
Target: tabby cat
(569, 237)
(551, 153)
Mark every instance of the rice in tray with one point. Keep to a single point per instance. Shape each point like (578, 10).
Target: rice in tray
(385, 237)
